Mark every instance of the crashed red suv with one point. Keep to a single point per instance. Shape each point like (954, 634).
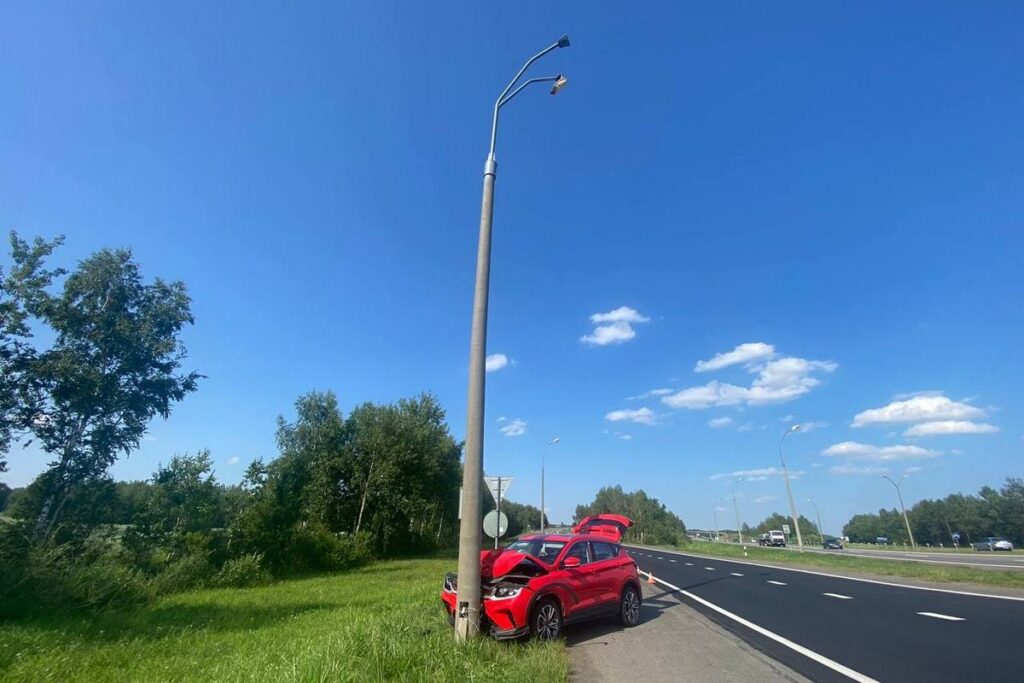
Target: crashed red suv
(541, 582)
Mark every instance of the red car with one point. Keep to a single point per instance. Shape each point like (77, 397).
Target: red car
(541, 582)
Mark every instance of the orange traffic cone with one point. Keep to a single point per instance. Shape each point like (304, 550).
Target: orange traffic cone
(650, 578)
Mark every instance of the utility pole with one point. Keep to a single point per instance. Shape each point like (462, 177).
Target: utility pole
(821, 530)
(899, 494)
(739, 527)
(467, 612)
(542, 454)
(714, 511)
(789, 489)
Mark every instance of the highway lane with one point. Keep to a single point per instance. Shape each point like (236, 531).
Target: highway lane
(983, 560)
(886, 633)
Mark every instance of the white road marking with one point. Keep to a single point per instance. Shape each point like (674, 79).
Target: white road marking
(661, 558)
(775, 583)
(735, 574)
(810, 654)
(671, 560)
(851, 578)
(710, 569)
(688, 564)
(935, 615)
(837, 595)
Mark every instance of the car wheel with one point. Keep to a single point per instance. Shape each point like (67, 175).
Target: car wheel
(546, 622)
(629, 610)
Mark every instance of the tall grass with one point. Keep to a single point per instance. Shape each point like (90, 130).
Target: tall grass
(379, 623)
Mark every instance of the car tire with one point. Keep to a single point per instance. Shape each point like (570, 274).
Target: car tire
(546, 620)
(629, 607)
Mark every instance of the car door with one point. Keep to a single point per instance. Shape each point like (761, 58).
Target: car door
(580, 579)
(606, 571)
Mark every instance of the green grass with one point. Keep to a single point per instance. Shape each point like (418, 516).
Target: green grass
(380, 623)
(836, 561)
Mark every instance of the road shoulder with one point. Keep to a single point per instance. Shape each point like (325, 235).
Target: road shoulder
(673, 642)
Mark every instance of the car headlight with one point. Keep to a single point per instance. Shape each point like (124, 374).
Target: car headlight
(451, 582)
(505, 592)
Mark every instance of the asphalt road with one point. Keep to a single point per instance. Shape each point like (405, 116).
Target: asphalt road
(838, 629)
(983, 560)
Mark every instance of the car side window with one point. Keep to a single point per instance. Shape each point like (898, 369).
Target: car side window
(603, 551)
(579, 550)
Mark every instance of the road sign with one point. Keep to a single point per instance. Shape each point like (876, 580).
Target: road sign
(785, 529)
(495, 524)
(493, 483)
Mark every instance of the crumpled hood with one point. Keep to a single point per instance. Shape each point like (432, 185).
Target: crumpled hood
(498, 563)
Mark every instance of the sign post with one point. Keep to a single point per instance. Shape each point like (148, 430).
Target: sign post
(497, 486)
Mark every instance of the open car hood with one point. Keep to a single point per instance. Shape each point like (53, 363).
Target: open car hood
(498, 563)
(610, 526)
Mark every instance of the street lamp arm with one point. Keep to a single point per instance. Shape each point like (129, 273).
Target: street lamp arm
(546, 79)
(561, 42)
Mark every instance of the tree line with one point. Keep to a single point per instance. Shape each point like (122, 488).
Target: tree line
(380, 481)
(934, 521)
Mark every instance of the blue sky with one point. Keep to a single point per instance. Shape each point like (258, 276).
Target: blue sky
(801, 213)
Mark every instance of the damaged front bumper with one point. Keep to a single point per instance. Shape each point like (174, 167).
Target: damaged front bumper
(504, 617)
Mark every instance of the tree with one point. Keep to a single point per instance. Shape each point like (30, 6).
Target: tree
(5, 495)
(185, 495)
(20, 290)
(115, 364)
(808, 529)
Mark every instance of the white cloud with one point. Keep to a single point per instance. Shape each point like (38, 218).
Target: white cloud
(721, 509)
(863, 451)
(613, 327)
(950, 427)
(644, 416)
(924, 408)
(744, 353)
(626, 437)
(811, 426)
(501, 419)
(912, 469)
(757, 474)
(777, 381)
(515, 427)
(622, 314)
(649, 394)
(848, 468)
(719, 422)
(765, 499)
(786, 418)
(234, 460)
(497, 361)
(745, 427)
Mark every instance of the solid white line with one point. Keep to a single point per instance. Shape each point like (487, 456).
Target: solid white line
(710, 569)
(935, 615)
(777, 583)
(810, 654)
(735, 574)
(849, 578)
(837, 595)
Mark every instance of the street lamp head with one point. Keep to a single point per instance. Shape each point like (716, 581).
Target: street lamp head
(555, 440)
(794, 428)
(560, 83)
(564, 41)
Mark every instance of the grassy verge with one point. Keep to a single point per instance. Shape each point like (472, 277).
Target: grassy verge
(382, 622)
(935, 573)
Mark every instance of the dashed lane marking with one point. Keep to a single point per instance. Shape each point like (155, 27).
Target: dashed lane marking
(671, 560)
(837, 595)
(710, 569)
(776, 583)
(936, 615)
(688, 564)
(735, 574)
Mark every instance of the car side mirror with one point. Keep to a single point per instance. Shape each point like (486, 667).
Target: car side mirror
(571, 562)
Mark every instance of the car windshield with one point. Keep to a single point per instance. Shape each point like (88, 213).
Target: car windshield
(541, 549)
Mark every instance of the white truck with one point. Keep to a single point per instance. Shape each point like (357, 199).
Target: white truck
(773, 538)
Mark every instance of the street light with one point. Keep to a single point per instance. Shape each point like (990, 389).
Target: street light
(821, 531)
(714, 511)
(789, 490)
(467, 613)
(739, 529)
(542, 454)
(899, 494)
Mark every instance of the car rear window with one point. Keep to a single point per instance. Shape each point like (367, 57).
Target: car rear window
(604, 551)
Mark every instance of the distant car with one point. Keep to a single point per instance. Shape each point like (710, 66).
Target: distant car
(832, 544)
(994, 543)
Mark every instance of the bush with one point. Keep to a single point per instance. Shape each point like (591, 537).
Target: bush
(243, 572)
(189, 571)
